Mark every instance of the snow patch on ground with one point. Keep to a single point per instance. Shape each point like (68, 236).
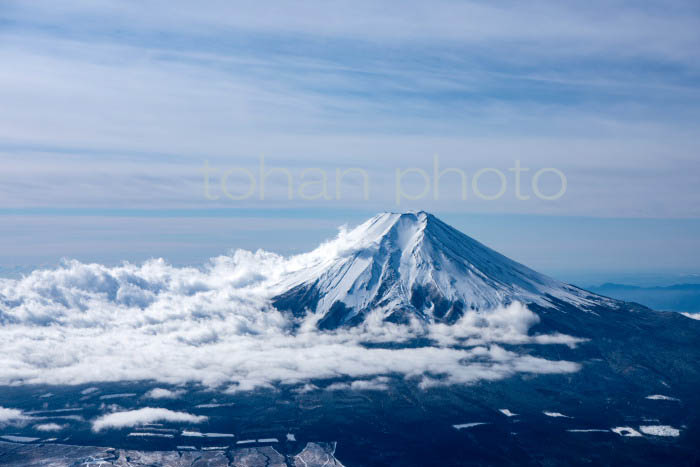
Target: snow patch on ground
(117, 396)
(661, 397)
(468, 425)
(555, 414)
(151, 435)
(660, 430)
(197, 434)
(73, 409)
(18, 439)
(626, 431)
(507, 413)
(212, 405)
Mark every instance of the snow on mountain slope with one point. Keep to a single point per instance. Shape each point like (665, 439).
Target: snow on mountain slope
(413, 263)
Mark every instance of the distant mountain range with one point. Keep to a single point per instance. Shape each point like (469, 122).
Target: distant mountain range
(681, 297)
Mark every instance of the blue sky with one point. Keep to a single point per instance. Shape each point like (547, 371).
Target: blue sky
(111, 108)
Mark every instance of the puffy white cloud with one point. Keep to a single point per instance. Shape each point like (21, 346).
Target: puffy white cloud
(308, 387)
(506, 325)
(85, 323)
(161, 393)
(49, 427)
(380, 383)
(12, 417)
(143, 416)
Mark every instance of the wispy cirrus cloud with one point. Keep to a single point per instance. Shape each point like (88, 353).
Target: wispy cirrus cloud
(116, 105)
(148, 92)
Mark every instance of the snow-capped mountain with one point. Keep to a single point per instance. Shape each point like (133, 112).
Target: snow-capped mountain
(403, 263)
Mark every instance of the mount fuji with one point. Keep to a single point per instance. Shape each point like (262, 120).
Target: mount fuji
(414, 265)
(400, 342)
(410, 267)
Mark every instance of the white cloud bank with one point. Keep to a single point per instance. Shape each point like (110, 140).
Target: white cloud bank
(12, 416)
(144, 416)
(215, 326)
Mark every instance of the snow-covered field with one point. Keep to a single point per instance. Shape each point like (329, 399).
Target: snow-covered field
(626, 431)
(555, 414)
(659, 430)
(661, 397)
(468, 425)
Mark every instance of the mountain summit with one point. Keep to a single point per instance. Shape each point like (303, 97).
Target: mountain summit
(413, 264)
